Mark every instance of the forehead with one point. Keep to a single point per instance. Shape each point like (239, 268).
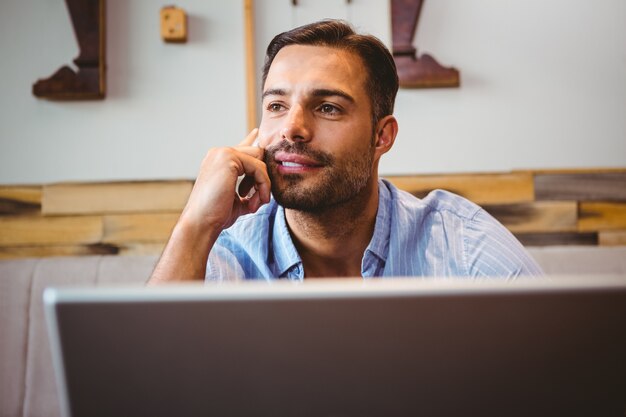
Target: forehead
(306, 66)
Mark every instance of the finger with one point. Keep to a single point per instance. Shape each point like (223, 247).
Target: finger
(251, 204)
(249, 140)
(256, 152)
(245, 186)
(256, 169)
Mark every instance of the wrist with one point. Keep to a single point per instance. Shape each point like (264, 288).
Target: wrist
(192, 221)
(200, 232)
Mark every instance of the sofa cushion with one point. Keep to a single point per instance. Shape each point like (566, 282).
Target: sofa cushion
(15, 286)
(580, 260)
(125, 269)
(41, 393)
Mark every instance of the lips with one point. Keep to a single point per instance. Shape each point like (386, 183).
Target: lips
(295, 161)
(292, 164)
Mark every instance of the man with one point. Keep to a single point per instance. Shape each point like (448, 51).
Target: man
(328, 97)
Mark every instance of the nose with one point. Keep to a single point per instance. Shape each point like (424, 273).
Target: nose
(296, 127)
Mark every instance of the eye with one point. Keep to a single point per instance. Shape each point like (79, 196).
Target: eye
(275, 107)
(329, 109)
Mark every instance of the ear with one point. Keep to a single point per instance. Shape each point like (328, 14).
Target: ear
(386, 131)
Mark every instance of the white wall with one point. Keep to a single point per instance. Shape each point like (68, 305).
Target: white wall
(543, 85)
(165, 105)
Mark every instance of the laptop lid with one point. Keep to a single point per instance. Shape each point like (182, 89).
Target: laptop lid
(343, 348)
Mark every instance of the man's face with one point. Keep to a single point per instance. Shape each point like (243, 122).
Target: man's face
(316, 127)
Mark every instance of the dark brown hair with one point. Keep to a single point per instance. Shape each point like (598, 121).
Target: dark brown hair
(382, 78)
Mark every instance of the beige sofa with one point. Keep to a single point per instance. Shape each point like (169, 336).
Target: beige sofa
(27, 386)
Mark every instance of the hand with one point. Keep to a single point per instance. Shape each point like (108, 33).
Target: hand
(214, 203)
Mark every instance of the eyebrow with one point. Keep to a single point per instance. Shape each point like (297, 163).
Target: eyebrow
(319, 92)
(274, 92)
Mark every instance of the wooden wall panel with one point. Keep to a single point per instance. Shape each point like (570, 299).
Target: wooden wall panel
(142, 248)
(128, 228)
(504, 188)
(601, 216)
(19, 200)
(131, 218)
(612, 238)
(603, 186)
(115, 197)
(546, 216)
(560, 239)
(34, 230)
(11, 252)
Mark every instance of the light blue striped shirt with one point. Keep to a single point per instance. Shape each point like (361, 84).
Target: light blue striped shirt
(441, 235)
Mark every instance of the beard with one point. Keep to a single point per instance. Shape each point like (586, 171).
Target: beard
(337, 182)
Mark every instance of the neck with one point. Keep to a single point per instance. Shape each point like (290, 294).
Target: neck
(331, 242)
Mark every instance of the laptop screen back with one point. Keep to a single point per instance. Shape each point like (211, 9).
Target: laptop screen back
(389, 348)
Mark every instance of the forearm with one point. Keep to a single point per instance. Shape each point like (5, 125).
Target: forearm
(213, 205)
(185, 255)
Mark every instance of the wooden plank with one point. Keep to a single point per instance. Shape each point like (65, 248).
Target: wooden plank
(251, 68)
(36, 231)
(120, 197)
(20, 200)
(609, 186)
(612, 238)
(506, 188)
(142, 249)
(154, 227)
(596, 170)
(26, 194)
(561, 239)
(539, 217)
(601, 216)
(16, 252)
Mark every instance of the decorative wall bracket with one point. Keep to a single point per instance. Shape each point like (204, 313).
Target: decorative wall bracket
(415, 72)
(88, 20)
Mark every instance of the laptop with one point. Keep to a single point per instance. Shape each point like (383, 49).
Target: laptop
(399, 347)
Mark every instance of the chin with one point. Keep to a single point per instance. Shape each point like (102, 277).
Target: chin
(319, 197)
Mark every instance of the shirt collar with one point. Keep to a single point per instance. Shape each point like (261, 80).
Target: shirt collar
(286, 255)
(288, 261)
(379, 245)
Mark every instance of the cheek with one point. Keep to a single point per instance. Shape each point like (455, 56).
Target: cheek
(267, 133)
(351, 139)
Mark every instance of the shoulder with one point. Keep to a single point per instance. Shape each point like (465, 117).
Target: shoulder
(482, 244)
(436, 202)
